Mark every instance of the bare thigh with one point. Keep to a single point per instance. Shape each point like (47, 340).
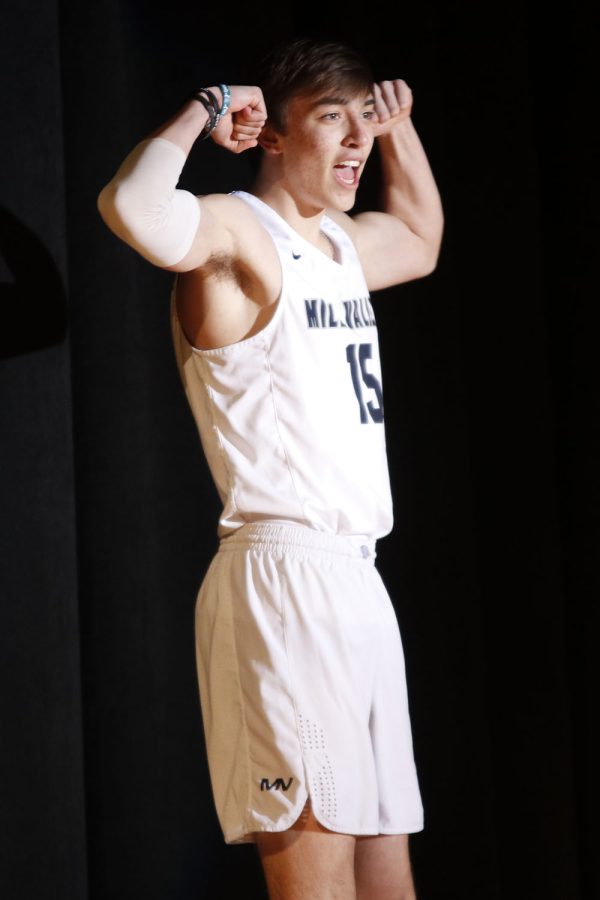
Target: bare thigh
(382, 868)
(307, 861)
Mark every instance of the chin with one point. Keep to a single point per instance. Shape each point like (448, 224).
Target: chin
(344, 204)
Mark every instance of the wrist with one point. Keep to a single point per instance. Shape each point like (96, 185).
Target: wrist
(396, 132)
(195, 114)
(216, 89)
(215, 108)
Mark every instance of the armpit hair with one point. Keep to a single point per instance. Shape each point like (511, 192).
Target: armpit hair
(220, 266)
(223, 267)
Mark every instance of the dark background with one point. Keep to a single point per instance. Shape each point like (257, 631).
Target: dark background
(108, 516)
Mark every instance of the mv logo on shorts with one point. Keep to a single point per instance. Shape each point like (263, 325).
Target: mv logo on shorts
(279, 784)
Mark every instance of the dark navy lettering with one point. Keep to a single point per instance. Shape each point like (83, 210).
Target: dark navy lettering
(356, 313)
(361, 376)
(348, 311)
(311, 313)
(375, 410)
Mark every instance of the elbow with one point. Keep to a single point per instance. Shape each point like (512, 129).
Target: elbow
(430, 261)
(124, 214)
(119, 215)
(110, 209)
(433, 254)
(104, 202)
(113, 207)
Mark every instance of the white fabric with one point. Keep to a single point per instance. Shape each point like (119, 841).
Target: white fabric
(291, 418)
(142, 206)
(302, 686)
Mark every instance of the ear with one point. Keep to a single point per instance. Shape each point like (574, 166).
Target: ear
(270, 140)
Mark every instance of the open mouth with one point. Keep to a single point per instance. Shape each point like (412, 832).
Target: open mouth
(346, 173)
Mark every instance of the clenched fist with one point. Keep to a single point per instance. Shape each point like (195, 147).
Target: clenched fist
(239, 129)
(393, 104)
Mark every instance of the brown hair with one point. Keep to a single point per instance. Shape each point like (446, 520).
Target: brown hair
(305, 67)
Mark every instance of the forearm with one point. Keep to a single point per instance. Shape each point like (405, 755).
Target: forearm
(409, 189)
(185, 126)
(141, 205)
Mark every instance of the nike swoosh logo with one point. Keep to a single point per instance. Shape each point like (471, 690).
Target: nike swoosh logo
(296, 255)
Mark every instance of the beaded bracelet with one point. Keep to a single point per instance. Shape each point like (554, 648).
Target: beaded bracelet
(226, 98)
(211, 105)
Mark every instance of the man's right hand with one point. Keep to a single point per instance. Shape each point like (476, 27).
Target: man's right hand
(239, 129)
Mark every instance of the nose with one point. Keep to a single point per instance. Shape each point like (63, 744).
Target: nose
(359, 134)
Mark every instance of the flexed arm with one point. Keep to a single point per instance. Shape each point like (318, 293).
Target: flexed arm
(142, 205)
(403, 241)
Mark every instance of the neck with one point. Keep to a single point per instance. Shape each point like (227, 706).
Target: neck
(305, 218)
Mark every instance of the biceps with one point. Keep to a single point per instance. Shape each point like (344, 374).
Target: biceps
(389, 251)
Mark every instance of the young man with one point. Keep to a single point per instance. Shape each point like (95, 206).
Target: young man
(300, 663)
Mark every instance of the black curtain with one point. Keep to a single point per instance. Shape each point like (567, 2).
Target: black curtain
(491, 379)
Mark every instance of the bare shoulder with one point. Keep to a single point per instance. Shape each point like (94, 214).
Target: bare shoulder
(250, 238)
(226, 207)
(228, 212)
(389, 251)
(228, 229)
(344, 221)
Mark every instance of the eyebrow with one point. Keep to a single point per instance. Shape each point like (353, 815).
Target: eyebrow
(340, 101)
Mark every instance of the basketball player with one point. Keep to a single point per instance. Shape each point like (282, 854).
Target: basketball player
(300, 662)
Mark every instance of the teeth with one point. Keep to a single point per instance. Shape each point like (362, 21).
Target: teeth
(350, 162)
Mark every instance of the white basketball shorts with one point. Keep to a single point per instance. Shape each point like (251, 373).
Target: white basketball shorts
(302, 686)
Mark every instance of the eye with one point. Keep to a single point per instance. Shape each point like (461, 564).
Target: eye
(331, 115)
(369, 114)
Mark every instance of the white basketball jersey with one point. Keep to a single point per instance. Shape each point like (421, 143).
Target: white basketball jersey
(291, 419)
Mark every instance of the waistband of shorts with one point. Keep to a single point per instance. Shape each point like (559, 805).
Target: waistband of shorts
(275, 535)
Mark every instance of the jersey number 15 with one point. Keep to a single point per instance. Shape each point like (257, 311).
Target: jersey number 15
(364, 381)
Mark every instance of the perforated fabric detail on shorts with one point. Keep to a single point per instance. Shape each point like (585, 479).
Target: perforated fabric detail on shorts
(302, 686)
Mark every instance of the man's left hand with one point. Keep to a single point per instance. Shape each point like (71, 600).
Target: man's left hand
(393, 104)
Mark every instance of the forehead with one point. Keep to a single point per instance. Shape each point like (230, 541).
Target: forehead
(337, 96)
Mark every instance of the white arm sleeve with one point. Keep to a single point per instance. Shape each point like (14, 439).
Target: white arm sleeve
(142, 206)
